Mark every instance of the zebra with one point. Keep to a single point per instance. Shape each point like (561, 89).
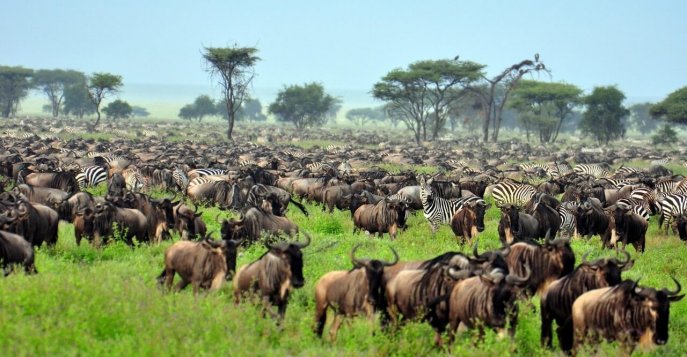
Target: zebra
(626, 170)
(670, 206)
(660, 162)
(439, 210)
(204, 179)
(91, 176)
(345, 167)
(318, 166)
(591, 169)
(637, 207)
(555, 169)
(645, 195)
(135, 182)
(666, 187)
(508, 192)
(180, 179)
(247, 162)
(566, 213)
(206, 172)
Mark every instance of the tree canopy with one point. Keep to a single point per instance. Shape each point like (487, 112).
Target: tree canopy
(673, 108)
(139, 111)
(100, 86)
(603, 117)
(233, 68)
(118, 109)
(421, 95)
(77, 101)
(543, 106)
(362, 116)
(304, 106)
(14, 86)
(54, 82)
(641, 119)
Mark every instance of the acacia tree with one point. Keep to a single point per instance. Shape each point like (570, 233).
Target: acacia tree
(54, 83)
(233, 68)
(100, 86)
(251, 110)
(544, 106)
(603, 118)
(421, 95)
(118, 109)
(493, 93)
(672, 109)
(361, 116)
(14, 86)
(303, 106)
(77, 101)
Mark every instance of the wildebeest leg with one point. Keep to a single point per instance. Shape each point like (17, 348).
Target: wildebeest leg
(182, 284)
(565, 334)
(335, 327)
(546, 322)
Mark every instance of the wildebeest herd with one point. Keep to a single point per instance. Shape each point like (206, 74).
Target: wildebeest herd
(544, 205)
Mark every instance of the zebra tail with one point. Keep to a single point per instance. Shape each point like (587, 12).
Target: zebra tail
(300, 206)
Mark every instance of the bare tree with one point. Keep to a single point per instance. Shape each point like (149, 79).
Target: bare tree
(233, 68)
(493, 93)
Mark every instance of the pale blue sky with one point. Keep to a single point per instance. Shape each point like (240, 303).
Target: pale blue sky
(641, 46)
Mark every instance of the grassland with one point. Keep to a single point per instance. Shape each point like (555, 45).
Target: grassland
(106, 302)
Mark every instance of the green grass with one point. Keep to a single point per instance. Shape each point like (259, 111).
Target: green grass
(106, 302)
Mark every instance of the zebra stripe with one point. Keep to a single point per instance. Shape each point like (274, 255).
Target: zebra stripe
(592, 170)
(439, 210)
(180, 179)
(205, 179)
(670, 206)
(209, 172)
(568, 221)
(135, 182)
(507, 192)
(91, 176)
(637, 207)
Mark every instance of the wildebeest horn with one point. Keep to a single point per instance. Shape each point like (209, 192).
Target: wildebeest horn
(628, 263)
(506, 250)
(584, 258)
(677, 291)
(458, 274)
(387, 264)
(357, 262)
(304, 244)
(474, 250)
(516, 280)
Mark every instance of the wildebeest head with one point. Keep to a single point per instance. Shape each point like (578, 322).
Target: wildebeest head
(186, 221)
(231, 228)
(490, 260)
(291, 253)
(374, 271)
(658, 303)
(480, 208)
(608, 269)
(165, 206)
(560, 251)
(681, 225)
(511, 215)
(506, 288)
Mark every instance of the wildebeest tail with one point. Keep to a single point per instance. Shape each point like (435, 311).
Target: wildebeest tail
(299, 205)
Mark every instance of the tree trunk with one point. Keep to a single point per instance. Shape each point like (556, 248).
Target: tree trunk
(97, 121)
(485, 125)
(230, 118)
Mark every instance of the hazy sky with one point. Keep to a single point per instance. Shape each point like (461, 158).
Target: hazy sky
(348, 45)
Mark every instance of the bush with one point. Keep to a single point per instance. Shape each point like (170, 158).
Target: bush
(666, 135)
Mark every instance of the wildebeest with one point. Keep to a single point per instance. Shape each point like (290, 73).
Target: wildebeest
(222, 193)
(64, 181)
(188, 222)
(131, 223)
(424, 287)
(548, 262)
(205, 264)
(556, 302)
(627, 227)
(469, 220)
(681, 226)
(384, 217)
(14, 249)
(516, 225)
(255, 222)
(351, 292)
(591, 219)
(627, 312)
(273, 275)
(486, 300)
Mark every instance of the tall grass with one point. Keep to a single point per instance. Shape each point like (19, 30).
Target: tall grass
(106, 301)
